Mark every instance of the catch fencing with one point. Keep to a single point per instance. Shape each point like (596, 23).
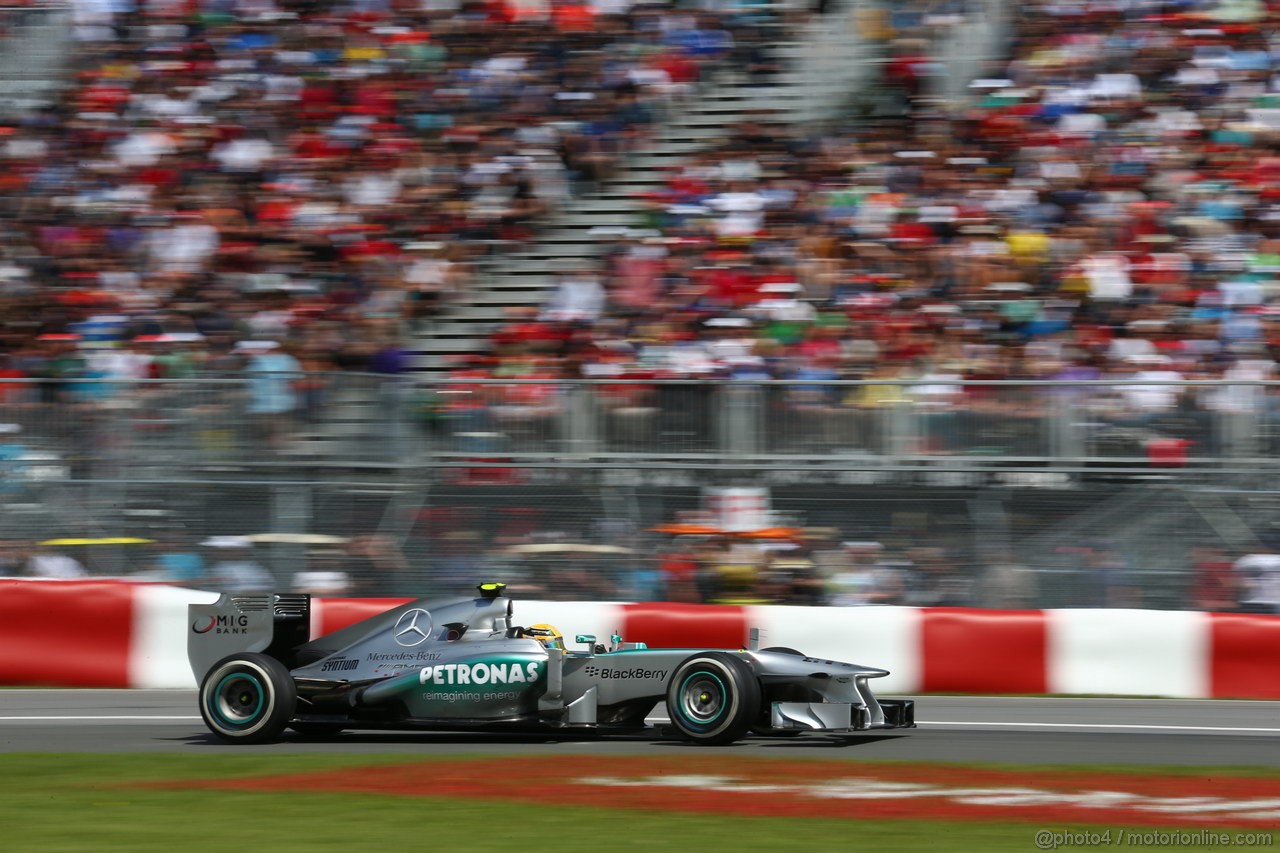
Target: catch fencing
(1015, 494)
(117, 427)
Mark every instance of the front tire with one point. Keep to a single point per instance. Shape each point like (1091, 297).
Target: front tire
(248, 698)
(713, 698)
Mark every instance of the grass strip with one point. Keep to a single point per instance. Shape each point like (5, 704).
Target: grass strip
(110, 802)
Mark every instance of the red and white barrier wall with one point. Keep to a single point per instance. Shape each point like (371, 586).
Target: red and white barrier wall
(116, 634)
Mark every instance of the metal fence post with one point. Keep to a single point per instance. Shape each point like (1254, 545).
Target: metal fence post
(1238, 433)
(580, 420)
(291, 512)
(900, 430)
(738, 412)
(1065, 443)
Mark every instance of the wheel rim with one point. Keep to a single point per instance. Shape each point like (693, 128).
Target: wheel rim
(702, 698)
(238, 699)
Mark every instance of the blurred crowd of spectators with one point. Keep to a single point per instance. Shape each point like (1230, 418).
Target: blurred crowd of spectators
(1107, 207)
(816, 568)
(315, 173)
(368, 564)
(1096, 574)
(811, 566)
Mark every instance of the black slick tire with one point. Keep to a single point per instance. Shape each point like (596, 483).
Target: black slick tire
(248, 698)
(713, 698)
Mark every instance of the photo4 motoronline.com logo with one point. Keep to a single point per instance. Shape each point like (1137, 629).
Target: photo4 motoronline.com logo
(1048, 839)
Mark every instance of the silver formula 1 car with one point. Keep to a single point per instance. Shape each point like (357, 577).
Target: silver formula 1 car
(463, 663)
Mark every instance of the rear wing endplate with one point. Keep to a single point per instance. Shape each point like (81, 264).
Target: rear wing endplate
(273, 623)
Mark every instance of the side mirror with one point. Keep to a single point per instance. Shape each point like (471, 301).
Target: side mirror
(588, 640)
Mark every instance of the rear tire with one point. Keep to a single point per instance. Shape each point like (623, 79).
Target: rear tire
(713, 698)
(248, 698)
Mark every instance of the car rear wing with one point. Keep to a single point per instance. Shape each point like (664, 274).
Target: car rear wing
(272, 623)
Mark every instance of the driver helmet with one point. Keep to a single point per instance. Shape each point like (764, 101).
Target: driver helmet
(548, 635)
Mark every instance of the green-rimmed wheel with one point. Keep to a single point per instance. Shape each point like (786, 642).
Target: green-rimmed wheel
(247, 698)
(713, 698)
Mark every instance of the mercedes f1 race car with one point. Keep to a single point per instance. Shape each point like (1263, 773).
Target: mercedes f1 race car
(463, 663)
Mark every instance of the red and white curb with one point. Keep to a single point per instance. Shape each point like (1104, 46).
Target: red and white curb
(119, 634)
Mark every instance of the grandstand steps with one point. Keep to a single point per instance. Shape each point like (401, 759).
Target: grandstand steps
(556, 251)
(669, 146)
(458, 344)
(586, 207)
(523, 278)
(709, 117)
(826, 61)
(482, 312)
(530, 290)
(563, 235)
(532, 267)
(33, 56)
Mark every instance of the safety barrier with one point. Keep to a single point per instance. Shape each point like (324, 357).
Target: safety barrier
(94, 428)
(119, 634)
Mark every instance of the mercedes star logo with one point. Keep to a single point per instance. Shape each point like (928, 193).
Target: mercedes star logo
(412, 628)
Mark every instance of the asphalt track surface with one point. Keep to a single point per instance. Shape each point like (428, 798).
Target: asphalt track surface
(1011, 730)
